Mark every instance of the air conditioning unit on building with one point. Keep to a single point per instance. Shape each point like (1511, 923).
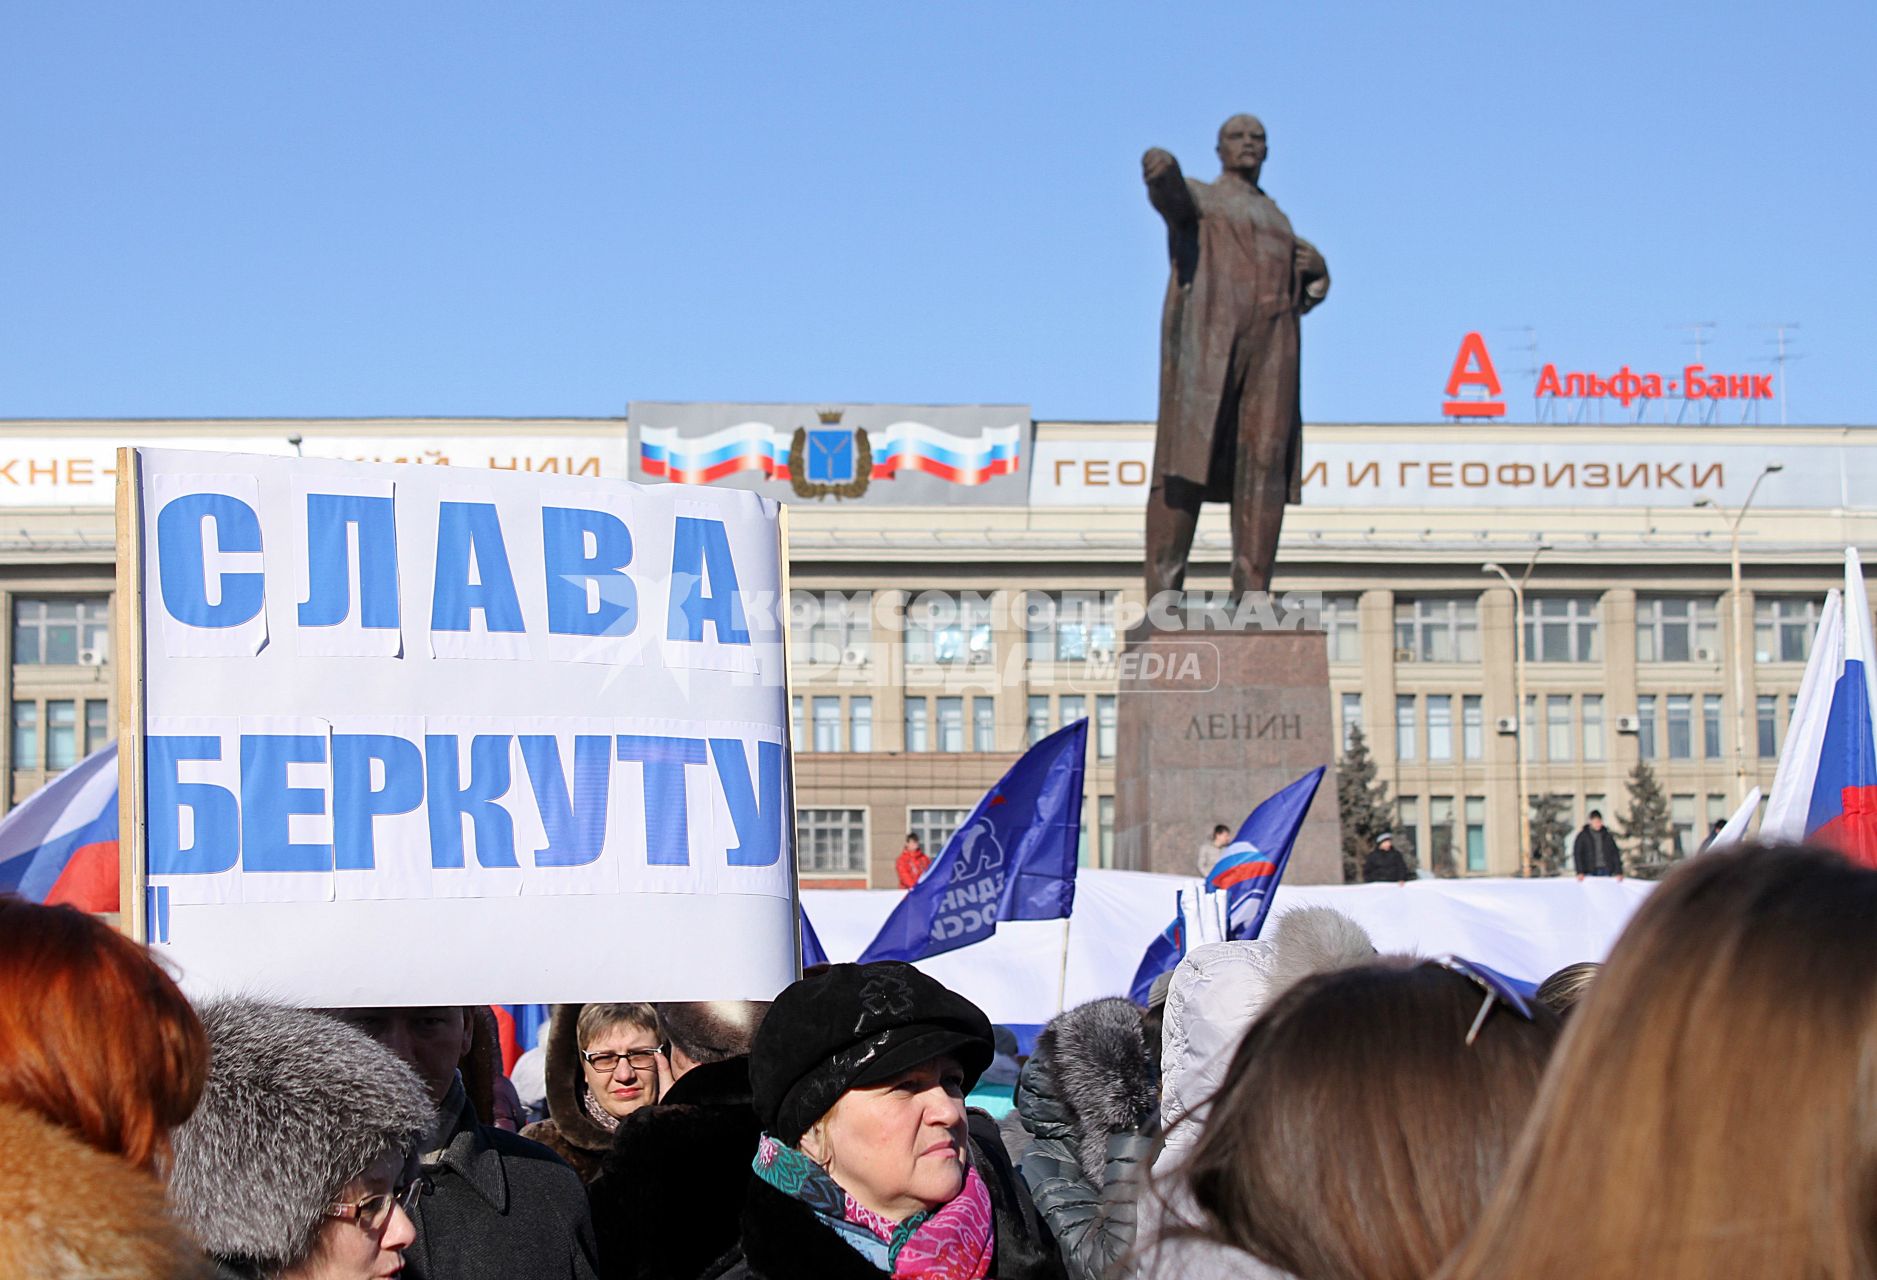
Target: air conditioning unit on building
(1507, 724)
(92, 657)
(1101, 652)
(1404, 655)
(1628, 724)
(979, 656)
(854, 656)
(1704, 655)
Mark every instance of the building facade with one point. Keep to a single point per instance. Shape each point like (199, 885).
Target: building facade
(935, 634)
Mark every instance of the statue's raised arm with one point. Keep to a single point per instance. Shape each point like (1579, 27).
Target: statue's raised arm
(1166, 186)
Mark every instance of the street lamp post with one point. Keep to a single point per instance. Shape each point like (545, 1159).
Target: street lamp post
(1741, 645)
(1519, 754)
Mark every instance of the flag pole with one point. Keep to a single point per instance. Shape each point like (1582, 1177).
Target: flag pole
(1062, 974)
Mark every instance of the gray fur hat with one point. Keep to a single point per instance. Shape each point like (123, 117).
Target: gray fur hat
(297, 1104)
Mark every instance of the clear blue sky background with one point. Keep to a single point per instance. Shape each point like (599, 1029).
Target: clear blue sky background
(342, 208)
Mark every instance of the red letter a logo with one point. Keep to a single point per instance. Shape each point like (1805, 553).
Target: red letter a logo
(1473, 368)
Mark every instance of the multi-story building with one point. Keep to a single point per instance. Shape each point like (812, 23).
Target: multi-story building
(932, 640)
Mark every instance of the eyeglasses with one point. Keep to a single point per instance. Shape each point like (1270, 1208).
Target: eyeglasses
(637, 1059)
(1497, 987)
(373, 1212)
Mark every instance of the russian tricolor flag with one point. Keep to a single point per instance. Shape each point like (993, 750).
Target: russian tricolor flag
(1251, 866)
(1826, 788)
(60, 843)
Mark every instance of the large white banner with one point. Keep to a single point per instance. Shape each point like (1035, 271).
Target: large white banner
(423, 735)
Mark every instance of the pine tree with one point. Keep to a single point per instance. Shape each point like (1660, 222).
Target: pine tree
(1362, 803)
(1551, 836)
(1647, 825)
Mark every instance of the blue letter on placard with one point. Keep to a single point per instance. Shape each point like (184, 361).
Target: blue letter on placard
(758, 819)
(267, 802)
(564, 532)
(182, 569)
(466, 529)
(450, 800)
(328, 567)
(667, 832)
(698, 547)
(576, 829)
(217, 842)
(355, 803)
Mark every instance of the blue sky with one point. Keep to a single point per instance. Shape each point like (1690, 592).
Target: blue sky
(351, 209)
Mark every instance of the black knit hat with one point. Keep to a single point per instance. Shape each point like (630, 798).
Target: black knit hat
(855, 1025)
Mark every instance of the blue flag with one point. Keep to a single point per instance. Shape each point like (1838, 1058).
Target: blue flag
(1013, 859)
(1251, 866)
(812, 950)
(1162, 955)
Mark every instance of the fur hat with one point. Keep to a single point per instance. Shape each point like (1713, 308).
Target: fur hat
(854, 1025)
(297, 1105)
(1097, 1053)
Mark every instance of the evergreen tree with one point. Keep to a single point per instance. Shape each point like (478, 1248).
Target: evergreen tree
(1647, 826)
(1551, 836)
(1362, 803)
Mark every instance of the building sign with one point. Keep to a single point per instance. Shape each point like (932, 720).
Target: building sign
(81, 471)
(896, 455)
(1473, 387)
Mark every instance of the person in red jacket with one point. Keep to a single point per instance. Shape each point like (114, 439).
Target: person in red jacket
(912, 861)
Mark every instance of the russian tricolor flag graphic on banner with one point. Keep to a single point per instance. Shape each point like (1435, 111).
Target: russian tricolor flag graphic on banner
(60, 843)
(1251, 866)
(1826, 788)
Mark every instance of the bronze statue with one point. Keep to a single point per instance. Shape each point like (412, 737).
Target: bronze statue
(1230, 429)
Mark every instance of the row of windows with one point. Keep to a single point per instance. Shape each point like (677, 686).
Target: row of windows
(946, 628)
(834, 841)
(66, 729)
(948, 724)
(1456, 827)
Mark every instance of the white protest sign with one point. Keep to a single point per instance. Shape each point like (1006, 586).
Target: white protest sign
(421, 735)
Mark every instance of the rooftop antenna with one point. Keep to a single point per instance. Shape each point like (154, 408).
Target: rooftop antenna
(1700, 329)
(1780, 358)
(1540, 411)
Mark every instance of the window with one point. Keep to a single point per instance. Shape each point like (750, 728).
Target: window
(1036, 719)
(1681, 815)
(1404, 726)
(1592, 725)
(1437, 629)
(1783, 627)
(1677, 629)
(1528, 728)
(1070, 626)
(1104, 730)
(860, 724)
(26, 735)
(828, 628)
(1717, 812)
(1440, 727)
(1440, 833)
(934, 827)
(1562, 629)
(1680, 730)
(917, 736)
(1766, 709)
(1104, 811)
(1352, 715)
(1407, 827)
(1711, 725)
(61, 733)
(798, 737)
(97, 724)
(1472, 728)
(1475, 833)
(57, 631)
(1342, 623)
(951, 724)
(1558, 726)
(948, 628)
(832, 840)
(827, 723)
(1070, 707)
(983, 724)
(1645, 726)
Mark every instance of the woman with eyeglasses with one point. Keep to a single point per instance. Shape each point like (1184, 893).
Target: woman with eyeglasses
(603, 1063)
(1359, 1129)
(300, 1163)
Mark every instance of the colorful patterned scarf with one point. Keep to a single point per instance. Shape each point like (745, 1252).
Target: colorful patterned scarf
(953, 1242)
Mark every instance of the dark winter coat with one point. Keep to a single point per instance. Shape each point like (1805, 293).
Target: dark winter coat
(1595, 853)
(1089, 1099)
(683, 1160)
(781, 1239)
(501, 1207)
(569, 1132)
(1385, 866)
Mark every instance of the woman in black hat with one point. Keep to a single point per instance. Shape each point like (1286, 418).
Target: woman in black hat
(869, 1163)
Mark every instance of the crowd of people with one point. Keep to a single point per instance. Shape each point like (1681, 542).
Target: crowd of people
(1298, 1106)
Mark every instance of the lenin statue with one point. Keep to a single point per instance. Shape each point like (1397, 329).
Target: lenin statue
(1230, 429)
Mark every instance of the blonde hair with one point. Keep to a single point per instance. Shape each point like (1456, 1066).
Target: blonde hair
(595, 1019)
(1713, 1107)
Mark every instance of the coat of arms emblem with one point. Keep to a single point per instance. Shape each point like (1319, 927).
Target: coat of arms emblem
(830, 460)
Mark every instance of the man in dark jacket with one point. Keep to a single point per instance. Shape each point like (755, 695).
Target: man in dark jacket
(1594, 851)
(501, 1206)
(663, 1204)
(1385, 862)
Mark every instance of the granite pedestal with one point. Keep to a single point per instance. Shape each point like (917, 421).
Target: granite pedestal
(1209, 724)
